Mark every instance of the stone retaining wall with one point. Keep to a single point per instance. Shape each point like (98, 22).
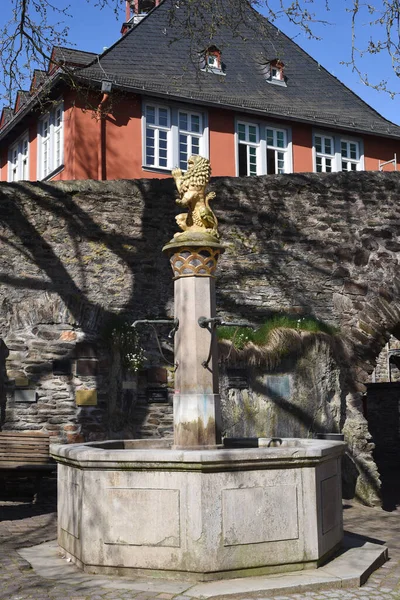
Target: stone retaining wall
(75, 253)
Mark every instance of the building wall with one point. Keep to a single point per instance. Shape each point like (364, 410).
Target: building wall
(111, 147)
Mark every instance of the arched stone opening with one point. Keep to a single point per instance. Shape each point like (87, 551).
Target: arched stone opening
(382, 411)
(372, 408)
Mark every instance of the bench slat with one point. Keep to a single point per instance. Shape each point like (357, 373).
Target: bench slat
(25, 447)
(24, 452)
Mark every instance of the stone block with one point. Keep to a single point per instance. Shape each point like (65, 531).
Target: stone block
(21, 382)
(254, 507)
(22, 395)
(62, 367)
(161, 525)
(87, 367)
(86, 398)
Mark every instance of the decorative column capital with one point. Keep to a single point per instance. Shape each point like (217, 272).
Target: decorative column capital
(196, 258)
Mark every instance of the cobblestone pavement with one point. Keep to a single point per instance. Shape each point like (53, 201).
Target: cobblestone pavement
(23, 524)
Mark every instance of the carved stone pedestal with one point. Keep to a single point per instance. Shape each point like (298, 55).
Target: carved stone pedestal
(197, 419)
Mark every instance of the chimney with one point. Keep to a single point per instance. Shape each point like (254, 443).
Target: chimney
(135, 10)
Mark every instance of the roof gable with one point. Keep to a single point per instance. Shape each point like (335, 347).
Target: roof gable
(6, 116)
(68, 57)
(21, 99)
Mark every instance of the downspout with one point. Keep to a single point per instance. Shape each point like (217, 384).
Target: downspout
(101, 149)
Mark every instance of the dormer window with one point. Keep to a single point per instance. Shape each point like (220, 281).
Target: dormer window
(274, 72)
(210, 61)
(213, 59)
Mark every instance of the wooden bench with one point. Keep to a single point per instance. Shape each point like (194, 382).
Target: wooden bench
(25, 455)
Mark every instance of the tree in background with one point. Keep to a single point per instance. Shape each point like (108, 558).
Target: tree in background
(35, 26)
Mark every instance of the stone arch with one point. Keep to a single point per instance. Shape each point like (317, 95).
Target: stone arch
(373, 326)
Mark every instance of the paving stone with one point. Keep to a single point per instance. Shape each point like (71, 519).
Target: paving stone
(23, 524)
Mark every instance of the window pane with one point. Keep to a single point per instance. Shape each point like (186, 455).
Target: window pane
(344, 166)
(183, 153)
(183, 121)
(252, 160)
(353, 167)
(242, 132)
(280, 139)
(319, 164)
(281, 163)
(328, 165)
(344, 149)
(318, 144)
(353, 151)
(195, 124)
(183, 143)
(195, 145)
(149, 146)
(328, 146)
(58, 148)
(270, 137)
(151, 115)
(163, 117)
(252, 134)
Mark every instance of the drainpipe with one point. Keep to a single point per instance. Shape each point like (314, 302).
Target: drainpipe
(102, 151)
(106, 87)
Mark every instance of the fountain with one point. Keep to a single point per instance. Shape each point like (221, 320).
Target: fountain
(194, 508)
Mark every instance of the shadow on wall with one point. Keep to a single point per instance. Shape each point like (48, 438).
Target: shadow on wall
(302, 395)
(75, 267)
(314, 244)
(3, 379)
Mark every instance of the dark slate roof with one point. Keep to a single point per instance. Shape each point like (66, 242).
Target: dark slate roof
(39, 77)
(72, 56)
(7, 115)
(22, 98)
(149, 59)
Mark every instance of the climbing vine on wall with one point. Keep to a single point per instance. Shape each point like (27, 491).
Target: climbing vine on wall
(125, 339)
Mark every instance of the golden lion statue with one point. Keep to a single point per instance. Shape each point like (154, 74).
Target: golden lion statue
(191, 187)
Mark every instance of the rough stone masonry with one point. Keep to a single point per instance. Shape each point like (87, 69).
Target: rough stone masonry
(73, 254)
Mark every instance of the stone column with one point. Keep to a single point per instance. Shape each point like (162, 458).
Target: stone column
(197, 417)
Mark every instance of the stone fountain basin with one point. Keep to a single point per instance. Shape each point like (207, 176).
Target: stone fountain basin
(140, 507)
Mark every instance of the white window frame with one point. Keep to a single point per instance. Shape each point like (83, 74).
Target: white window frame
(18, 159)
(174, 131)
(193, 138)
(159, 131)
(51, 145)
(277, 149)
(323, 155)
(262, 146)
(252, 147)
(348, 159)
(336, 157)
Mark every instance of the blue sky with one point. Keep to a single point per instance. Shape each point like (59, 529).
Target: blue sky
(93, 29)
